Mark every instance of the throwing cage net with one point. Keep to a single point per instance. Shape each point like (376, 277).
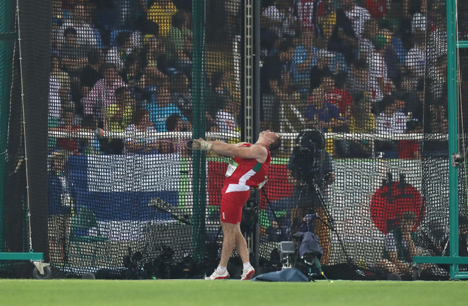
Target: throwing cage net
(130, 82)
(24, 88)
(372, 77)
(356, 89)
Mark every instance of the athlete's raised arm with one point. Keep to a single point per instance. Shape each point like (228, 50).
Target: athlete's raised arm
(257, 152)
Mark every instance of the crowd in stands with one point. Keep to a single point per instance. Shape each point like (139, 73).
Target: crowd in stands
(126, 66)
(358, 66)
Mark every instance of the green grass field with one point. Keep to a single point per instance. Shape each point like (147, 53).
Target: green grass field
(199, 292)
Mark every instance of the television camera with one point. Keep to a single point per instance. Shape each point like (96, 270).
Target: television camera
(307, 156)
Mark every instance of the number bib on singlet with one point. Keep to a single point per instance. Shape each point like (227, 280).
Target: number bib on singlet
(231, 168)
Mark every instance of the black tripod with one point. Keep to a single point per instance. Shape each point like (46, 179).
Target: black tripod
(305, 188)
(329, 222)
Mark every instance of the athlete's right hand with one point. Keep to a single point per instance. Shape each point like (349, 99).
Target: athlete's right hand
(201, 145)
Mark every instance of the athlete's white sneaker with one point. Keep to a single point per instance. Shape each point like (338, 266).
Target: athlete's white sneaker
(248, 274)
(216, 276)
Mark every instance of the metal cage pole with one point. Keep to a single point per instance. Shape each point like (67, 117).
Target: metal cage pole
(452, 78)
(199, 158)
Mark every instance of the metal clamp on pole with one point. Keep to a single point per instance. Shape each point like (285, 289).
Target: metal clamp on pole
(457, 159)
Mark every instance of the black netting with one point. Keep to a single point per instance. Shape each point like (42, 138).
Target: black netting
(130, 81)
(371, 77)
(16, 229)
(24, 88)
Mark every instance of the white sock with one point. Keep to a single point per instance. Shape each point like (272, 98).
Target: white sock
(247, 265)
(221, 270)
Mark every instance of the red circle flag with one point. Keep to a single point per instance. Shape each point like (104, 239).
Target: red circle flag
(390, 202)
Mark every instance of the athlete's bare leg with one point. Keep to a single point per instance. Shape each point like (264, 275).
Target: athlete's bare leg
(233, 237)
(229, 241)
(241, 246)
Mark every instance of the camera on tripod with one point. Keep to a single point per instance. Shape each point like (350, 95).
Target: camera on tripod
(306, 156)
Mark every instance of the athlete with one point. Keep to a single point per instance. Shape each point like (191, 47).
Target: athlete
(248, 168)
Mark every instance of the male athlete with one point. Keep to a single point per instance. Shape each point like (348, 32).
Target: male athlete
(248, 168)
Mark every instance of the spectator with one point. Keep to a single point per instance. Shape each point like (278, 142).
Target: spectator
(178, 44)
(438, 118)
(391, 120)
(175, 123)
(120, 114)
(90, 146)
(275, 76)
(337, 94)
(378, 80)
(61, 76)
(344, 38)
(61, 196)
(362, 121)
(117, 117)
(414, 96)
(326, 23)
(138, 138)
(401, 247)
(410, 149)
(74, 55)
(118, 54)
(90, 17)
(90, 73)
(84, 31)
(377, 8)
(219, 84)
(186, 65)
(275, 71)
(393, 55)
(161, 13)
(357, 15)
(322, 68)
(419, 21)
(281, 17)
(322, 114)
(59, 14)
(70, 143)
(340, 97)
(133, 75)
(175, 42)
(162, 108)
(156, 68)
(216, 97)
(181, 95)
(103, 92)
(309, 11)
(438, 75)
(416, 57)
(358, 78)
(401, 45)
(366, 43)
(130, 14)
(226, 117)
(305, 57)
(437, 30)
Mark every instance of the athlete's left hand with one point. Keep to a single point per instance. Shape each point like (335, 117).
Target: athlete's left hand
(201, 145)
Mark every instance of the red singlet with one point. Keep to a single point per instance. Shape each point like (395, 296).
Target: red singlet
(240, 176)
